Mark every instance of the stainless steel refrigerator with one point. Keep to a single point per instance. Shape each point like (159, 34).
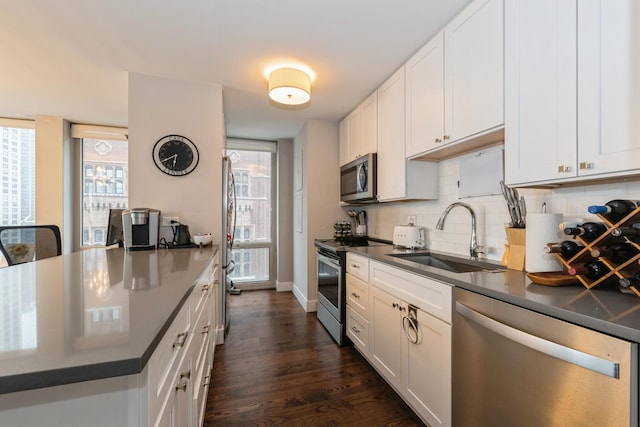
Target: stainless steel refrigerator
(228, 230)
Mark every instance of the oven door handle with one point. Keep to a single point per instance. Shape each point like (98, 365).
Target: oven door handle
(329, 260)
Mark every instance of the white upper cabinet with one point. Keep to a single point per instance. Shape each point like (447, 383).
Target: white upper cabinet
(474, 67)
(608, 86)
(540, 90)
(359, 131)
(455, 85)
(399, 178)
(554, 132)
(425, 98)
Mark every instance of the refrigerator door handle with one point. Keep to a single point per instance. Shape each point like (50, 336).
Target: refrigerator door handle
(570, 355)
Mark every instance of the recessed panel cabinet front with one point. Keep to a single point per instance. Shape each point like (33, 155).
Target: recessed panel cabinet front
(410, 347)
(572, 90)
(540, 90)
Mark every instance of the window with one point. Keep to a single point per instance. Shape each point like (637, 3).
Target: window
(104, 166)
(17, 172)
(253, 164)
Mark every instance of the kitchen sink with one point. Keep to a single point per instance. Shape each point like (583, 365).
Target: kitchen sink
(449, 263)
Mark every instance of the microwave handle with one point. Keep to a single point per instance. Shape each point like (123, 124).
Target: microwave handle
(361, 177)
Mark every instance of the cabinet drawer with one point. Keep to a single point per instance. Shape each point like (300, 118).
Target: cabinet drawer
(165, 358)
(357, 295)
(358, 266)
(358, 331)
(431, 296)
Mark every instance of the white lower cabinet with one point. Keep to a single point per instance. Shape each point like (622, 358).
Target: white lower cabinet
(401, 322)
(179, 369)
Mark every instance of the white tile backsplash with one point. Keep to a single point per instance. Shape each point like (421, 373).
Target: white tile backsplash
(491, 211)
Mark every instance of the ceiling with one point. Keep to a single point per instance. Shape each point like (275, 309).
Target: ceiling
(70, 58)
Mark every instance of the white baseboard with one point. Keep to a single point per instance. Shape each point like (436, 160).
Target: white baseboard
(284, 286)
(219, 335)
(307, 305)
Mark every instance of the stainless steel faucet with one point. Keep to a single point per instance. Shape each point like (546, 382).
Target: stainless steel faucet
(474, 248)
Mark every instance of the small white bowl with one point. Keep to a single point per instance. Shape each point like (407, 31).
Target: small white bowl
(202, 239)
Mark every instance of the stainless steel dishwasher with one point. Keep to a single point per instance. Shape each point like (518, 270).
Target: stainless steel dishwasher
(514, 367)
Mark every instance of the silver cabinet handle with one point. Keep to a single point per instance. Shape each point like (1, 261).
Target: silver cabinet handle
(355, 330)
(446, 137)
(204, 288)
(438, 140)
(567, 354)
(356, 296)
(564, 168)
(355, 266)
(585, 165)
(182, 337)
(182, 386)
(410, 325)
(205, 329)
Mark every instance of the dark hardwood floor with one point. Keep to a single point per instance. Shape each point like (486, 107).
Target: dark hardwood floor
(279, 367)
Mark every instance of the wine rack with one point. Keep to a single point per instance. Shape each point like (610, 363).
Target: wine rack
(616, 270)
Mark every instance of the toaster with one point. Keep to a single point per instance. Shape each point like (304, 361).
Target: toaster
(408, 236)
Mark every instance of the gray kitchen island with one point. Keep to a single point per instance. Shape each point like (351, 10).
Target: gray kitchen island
(96, 337)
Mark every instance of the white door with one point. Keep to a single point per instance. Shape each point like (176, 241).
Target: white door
(608, 86)
(391, 158)
(540, 90)
(386, 335)
(428, 367)
(474, 69)
(369, 117)
(425, 98)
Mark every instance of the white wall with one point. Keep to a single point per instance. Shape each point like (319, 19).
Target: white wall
(54, 177)
(316, 153)
(284, 274)
(160, 107)
(491, 211)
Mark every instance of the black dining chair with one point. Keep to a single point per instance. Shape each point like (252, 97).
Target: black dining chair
(26, 243)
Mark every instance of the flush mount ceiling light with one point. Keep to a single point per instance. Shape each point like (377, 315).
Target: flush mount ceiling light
(289, 86)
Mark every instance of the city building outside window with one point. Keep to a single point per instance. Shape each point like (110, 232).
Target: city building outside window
(253, 165)
(17, 173)
(105, 173)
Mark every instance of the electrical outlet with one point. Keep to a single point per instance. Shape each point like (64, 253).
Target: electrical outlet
(412, 219)
(166, 220)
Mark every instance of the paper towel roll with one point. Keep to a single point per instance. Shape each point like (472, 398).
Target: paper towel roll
(542, 228)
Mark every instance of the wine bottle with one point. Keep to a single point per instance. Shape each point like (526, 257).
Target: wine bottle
(593, 270)
(630, 281)
(589, 231)
(614, 210)
(618, 252)
(632, 233)
(567, 249)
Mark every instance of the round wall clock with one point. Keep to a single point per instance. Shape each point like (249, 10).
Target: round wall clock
(175, 155)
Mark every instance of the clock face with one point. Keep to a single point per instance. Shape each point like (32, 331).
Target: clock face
(175, 155)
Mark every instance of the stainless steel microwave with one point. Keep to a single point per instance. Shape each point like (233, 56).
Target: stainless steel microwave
(358, 180)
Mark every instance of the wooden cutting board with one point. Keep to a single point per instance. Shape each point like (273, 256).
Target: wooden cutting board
(553, 278)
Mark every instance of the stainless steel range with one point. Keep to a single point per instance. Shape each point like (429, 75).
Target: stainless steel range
(330, 278)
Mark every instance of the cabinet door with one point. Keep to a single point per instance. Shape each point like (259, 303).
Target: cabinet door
(540, 90)
(425, 98)
(344, 141)
(355, 134)
(608, 86)
(369, 117)
(391, 121)
(474, 70)
(428, 368)
(385, 335)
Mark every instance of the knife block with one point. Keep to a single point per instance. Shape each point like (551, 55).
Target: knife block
(516, 238)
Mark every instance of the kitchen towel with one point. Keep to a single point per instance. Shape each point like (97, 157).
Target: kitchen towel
(542, 228)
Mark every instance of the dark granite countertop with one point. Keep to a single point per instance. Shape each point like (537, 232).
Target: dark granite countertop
(604, 309)
(91, 314)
